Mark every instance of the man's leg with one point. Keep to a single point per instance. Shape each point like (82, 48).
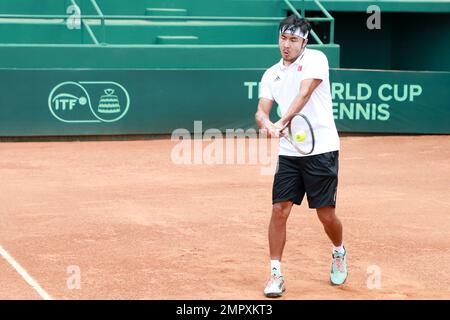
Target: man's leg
(277, 228)
(321, 180)
(333, 228)
(287, 189)
(277, 240)
(331, 224)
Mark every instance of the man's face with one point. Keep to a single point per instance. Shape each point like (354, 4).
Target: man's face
(290, 46)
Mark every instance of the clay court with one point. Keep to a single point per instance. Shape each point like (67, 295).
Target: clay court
(140, 227)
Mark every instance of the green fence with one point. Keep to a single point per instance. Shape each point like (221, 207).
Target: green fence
(111, 102)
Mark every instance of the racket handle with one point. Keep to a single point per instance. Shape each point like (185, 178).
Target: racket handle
(283, 129)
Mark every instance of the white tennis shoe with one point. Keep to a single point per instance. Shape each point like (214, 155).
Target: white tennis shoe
(275, 287)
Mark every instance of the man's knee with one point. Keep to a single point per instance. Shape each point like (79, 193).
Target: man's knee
(326, 215)
(281, 210)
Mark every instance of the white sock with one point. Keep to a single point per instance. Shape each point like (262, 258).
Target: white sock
(275, 267)
(339, 249)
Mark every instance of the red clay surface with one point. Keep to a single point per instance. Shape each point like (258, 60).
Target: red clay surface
(140, 227)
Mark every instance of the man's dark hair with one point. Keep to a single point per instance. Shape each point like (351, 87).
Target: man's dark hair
(293, 22)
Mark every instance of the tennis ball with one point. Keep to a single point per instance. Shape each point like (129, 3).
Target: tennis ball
(300, 136)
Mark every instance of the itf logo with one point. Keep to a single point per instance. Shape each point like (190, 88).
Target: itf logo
(89, 102)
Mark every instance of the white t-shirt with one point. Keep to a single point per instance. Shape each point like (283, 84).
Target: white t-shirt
(282, 84)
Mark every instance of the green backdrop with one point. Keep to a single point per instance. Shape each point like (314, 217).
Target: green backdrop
(103, 102)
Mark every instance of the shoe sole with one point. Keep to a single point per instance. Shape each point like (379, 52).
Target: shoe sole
(274, 295)
(337, 284)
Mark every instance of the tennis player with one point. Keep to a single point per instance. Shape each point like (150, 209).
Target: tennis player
(299, 82)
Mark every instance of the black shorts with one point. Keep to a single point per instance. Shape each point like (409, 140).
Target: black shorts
(317, 176)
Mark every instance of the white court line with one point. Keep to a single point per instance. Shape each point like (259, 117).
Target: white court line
(20, 270)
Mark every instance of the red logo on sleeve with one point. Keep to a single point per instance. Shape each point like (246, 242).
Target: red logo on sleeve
(299, 68)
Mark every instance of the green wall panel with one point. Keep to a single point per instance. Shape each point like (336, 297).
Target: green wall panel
(208, 33)
(406, 41)
(34, 6)
(152, 56)
(267, 8)
(40, 33)
(391, 101)
(105, 102)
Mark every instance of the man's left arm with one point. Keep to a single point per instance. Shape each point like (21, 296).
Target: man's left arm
(307, 87)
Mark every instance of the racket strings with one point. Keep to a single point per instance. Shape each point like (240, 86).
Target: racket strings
(301, 134)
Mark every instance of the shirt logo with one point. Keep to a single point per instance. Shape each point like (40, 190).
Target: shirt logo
(299, 68)
(277, 79)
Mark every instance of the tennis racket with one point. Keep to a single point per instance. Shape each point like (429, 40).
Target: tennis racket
(300, 134)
